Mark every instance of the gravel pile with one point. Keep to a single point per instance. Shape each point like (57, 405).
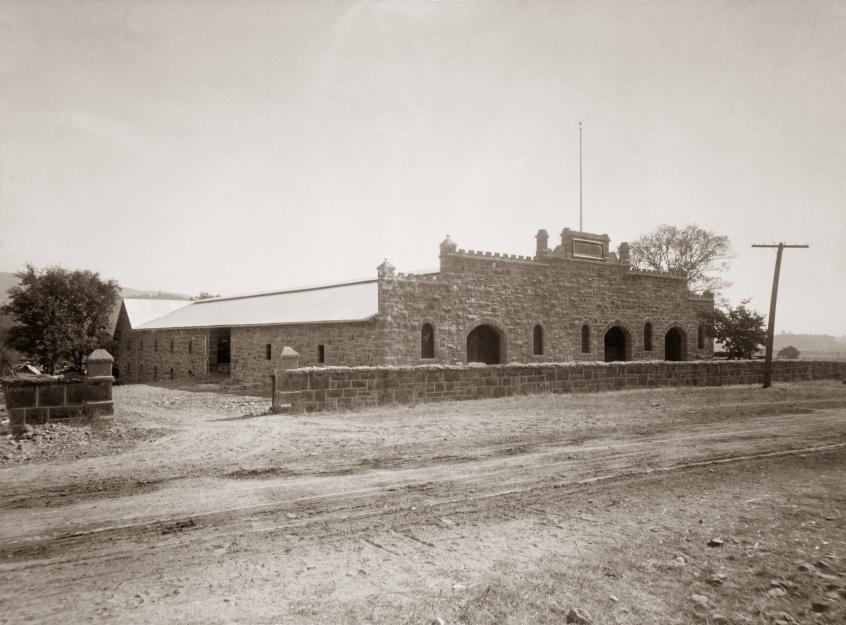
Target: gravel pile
(140, 396)
(71, 441)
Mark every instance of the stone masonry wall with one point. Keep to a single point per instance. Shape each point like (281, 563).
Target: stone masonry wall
(516, 293)
(146, 356)
(36, 400)
(348, 344)
(332, 388)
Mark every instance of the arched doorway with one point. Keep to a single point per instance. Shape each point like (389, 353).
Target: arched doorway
(615, 344)
(483, 345)
(675, 345)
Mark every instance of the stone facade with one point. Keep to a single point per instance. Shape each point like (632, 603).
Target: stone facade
(576, 302)
(555, 290)
(348, 344)
(149, 356)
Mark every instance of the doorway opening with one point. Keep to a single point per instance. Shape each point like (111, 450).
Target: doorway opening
(615, 344)
(484, 344)
(675, 345)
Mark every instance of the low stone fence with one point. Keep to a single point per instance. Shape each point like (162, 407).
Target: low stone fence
(332, 388)
(37, 400)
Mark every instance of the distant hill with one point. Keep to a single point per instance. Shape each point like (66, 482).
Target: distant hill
(810, 342)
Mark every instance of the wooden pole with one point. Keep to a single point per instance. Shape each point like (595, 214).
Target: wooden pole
(768, 359)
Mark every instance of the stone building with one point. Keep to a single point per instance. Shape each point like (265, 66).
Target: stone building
(578, 301)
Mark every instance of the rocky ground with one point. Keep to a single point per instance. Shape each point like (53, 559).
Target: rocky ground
(722, 505)
(60, 441)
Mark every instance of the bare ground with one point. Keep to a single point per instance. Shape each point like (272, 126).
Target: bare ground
(502, 511)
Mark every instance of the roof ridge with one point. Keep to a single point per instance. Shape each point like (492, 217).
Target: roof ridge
(316, 287)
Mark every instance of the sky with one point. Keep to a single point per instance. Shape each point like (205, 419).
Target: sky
(232, 147)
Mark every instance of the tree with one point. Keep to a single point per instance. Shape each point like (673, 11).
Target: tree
(740, 330)
(60, 316)
(788, 353)
(700, 253)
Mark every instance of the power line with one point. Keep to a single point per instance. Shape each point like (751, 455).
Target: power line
(768, 362)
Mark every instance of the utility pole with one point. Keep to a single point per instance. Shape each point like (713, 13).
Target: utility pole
(768, 362)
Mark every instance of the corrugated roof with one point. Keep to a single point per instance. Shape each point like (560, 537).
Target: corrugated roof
(140, 311)
(355, 301)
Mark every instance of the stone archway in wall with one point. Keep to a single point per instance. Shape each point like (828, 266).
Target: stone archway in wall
(615, 344)
(675, 344)
(485, 344)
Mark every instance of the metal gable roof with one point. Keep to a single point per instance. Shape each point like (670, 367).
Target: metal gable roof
(355, 301)
(141, 311)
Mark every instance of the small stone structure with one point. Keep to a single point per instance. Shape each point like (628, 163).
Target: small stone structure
(311, 389)
(37, 400)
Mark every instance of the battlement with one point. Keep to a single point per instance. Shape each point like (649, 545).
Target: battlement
(494, 255)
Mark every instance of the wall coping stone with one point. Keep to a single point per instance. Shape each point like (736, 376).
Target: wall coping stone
(36, 380)
(532, 365)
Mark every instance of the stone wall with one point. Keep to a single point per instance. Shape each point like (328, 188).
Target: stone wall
(332, 388)
(348, 344)
(146, 355)
(514, 294)
(36, 400)
(154, 355)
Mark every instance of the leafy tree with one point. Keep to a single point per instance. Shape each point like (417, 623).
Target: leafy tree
(60, 315)
(789, 353)
(740, 330)
(701, 253)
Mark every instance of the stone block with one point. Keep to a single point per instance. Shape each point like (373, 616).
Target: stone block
(97, 390)
(19, 396)
(37, 416)
(51, 395)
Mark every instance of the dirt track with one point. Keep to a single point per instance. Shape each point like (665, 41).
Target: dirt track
(319, 518)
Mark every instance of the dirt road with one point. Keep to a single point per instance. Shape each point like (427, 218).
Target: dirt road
(404, 514)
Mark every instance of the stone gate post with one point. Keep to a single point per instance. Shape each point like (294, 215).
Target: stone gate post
(282, 401)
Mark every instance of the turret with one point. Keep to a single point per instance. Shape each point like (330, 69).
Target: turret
(448, 246)
(386, 270)
(542, 238)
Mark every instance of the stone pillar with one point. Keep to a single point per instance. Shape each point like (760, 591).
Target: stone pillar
(624, 252)
(285, 401)
(99, 364)
(288, 359)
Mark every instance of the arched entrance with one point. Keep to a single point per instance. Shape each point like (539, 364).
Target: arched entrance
(483, 345)
(615, 344)
(675, 345)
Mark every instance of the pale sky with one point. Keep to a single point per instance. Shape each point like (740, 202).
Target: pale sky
(246, 146)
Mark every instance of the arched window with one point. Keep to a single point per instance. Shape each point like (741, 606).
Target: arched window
(537, 340)
(586, 339)
(427, 341)
(647, 337)
(700, 337)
